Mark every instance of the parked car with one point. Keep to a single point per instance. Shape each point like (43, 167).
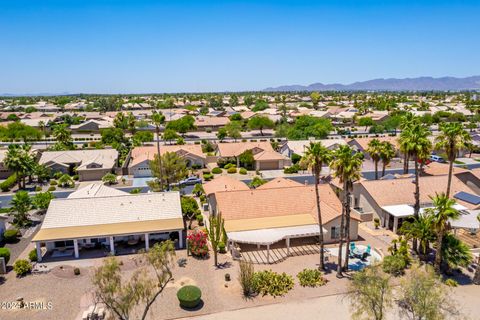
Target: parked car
(190, 181)
(436, 158)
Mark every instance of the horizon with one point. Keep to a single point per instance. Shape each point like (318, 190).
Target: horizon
(140, 47)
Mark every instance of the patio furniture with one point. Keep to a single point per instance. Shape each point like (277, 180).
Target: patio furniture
(369, 249)
(132, 242)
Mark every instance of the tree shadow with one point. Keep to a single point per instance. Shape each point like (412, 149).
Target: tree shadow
(225, 265)
(198, 307)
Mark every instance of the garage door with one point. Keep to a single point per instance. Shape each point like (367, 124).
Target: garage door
(268, 165)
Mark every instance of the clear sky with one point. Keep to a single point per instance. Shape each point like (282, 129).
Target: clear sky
(178, 46)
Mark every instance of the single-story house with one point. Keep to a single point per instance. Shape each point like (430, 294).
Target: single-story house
(392, 200)
(263, 154)
(212, 123)
(140, 157)
(299, 146)
(92, 125)
(100, 217)
(90, 164)
(279, 211)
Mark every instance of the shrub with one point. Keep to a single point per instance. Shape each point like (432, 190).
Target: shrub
(196, 166)
(53, 182)
(197, 243)
(221, 247)
(11, 235)
(189, 296)
(229, 165)
(206, 171)
(76, 271)
(268, 282)
(203, 198)
(199, 218)
(247, 273)
(232, 170)
(242, 171)
(376, 223)
(57, 175)
(109, 178)
(451, 283)
(8, 183)
(22, 267)
(216, 170)
(32, 255)
(135, 191)
(394, 265)
(208, 177)
(311, 278)
(292, 169)
(38, 188)
(5, 253)
(76, 177)
(227, 277)
(296, 158)
(52, 188)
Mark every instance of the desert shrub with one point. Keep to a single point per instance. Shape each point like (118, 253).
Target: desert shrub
(246, 278)
(52, 188)
(451, 283)
(394, 265)
(242, 171)
(135, 191)
(296, 158)
(189, 296)
(376, 222)
(5, 253)
(75, 177)
(208, 177)
(197, 243)
(311, 278)
(216, 170)
(230, 165)
(57, 175)
(76, 271)
(22, 267)
(196, 166)
(268, 282)
(53, 182)
(10, 235)
(199, 218)
(8, 183)
(232, 170)
(38, 188)
(292, 169)
(32, 255)
(203, 198)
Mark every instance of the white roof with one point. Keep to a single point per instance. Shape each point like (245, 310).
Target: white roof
(112, 209)
(96, 190)
(106, 158)
(269, 236)
(405, 210)
(468, 220)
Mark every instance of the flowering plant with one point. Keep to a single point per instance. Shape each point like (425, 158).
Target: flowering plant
(197, 243)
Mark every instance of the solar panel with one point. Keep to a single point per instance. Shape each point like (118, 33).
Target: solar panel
(467, 197)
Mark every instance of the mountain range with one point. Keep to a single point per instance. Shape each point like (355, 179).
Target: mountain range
(392, 84)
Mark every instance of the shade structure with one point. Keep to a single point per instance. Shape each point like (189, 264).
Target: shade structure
(269, 236)
(467, 220)
(406, 210)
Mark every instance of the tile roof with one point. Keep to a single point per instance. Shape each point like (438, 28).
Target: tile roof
(202, 121)
(438, 169)
(140, 154)
(280, 183)
(224, 183)
(95, 190)
(107, 158)
(233, 149)
(363, 142)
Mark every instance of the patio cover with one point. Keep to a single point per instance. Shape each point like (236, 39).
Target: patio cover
(467, 220)
(406, 210)
(269, 236)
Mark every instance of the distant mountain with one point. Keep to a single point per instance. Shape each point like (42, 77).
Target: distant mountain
(392, 84)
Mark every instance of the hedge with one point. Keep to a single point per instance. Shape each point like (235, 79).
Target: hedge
(8, 183)
(189, 296)
(216, 170)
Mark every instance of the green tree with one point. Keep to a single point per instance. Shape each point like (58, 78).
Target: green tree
(172, 170)
(109, 178)
(260, 123)
(455, 253)
(365, 122)
(182, 125)
(41, 200)
(315, 97)
(65, 181)
(423, 296)
(234, 129)
(246, 159)
(420, 228)
(316, 155)
(189, 209)
(140, 137)
(452, 139)
(257, 182)
(222, 134)
(169, 135)
(122, 295)
(347, 166)
(387, 153)
(20, 205)
(19, 160)
(158, 119)
(441, 213)
(19, 131)
(198, 189)
(308, 126)
(215, 232)
(63, 136)
(370, 293)
(374, 150)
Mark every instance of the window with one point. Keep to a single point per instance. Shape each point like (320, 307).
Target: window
(335, 232)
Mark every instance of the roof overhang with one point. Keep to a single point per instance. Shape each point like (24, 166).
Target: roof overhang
(269, 222)
(269, 236)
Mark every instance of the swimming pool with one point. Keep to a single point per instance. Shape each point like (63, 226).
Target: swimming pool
(355, 263)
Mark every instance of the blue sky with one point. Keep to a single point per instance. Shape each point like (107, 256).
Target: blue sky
(178, 46)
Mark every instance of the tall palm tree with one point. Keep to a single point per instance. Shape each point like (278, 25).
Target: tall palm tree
(421, 229)
(387, 152)
(441, 213)
(419, 146)
(408, 120)
(374, 150)
(452, 138)
(347, 165)
(158, 118)
(316, 155)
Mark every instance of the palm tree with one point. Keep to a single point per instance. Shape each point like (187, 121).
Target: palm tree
(455, 253)
(374, 150)
(387, 152)
(419, 228)
(316, 155)
(19, 160)
(441, 213)
(452, 139)
(20, 204)
(408, 120)
(347, 165)
(417, 144)
(158, 118)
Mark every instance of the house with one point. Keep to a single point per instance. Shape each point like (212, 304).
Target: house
(4, 171)
(361, 144)
(99, 219)
(210, 123)
(299, 146)
(92, 125)
(279, 211)
(264, 156)
(90, 164)
(140, 157)
(392, 201)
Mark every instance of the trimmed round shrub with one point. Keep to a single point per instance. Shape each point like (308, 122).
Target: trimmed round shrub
(189, 296)
(232, 170)
(53, 182)
(199, 218)
(22, 267)
(76, 271)
(208, 177)
(221, 247)
(10, 235)
(229, 165)
(216, 170)
(242, 171)
(5, 253)
(38, 188)
(32, 255)
(52, 188)
(394, 265)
